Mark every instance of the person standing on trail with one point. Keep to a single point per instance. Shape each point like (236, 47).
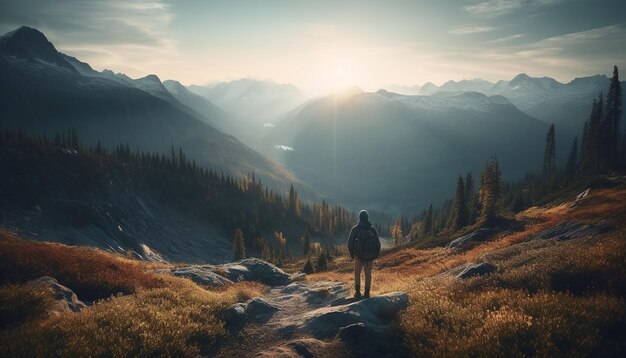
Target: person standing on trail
(364, 247)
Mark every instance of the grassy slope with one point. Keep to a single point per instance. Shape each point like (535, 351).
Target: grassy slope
(547, 298)
(137, 313)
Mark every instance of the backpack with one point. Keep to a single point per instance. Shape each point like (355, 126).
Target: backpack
(367, 244)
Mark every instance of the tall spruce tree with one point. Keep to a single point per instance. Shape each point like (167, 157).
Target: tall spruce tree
(490, 192)
(428, 222)
(613, 115)
(460, 205)
(306, 243)
(470, 199)
(239, 246)
(549, 160)
(572, 161)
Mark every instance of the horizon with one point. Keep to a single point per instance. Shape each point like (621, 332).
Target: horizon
(325, 47)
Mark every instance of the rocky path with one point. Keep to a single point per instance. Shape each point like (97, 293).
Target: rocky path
(314, 320)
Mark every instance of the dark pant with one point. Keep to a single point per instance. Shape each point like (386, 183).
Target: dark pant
(358, 266)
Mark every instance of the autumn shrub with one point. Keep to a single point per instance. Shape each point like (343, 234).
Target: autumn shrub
(91, 273)
(181, 319)
(20, 304)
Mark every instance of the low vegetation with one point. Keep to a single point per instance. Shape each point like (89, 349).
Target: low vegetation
(149, 314)
(547, 298)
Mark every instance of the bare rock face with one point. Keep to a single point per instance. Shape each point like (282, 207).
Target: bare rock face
(568, 230)
(470, 240)
(254, 269)
(480, 269)
(256, 310)
(375, 312)
(66, 299)
(305, 347)
(201, 276)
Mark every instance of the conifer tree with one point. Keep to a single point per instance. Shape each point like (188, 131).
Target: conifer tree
(396, 233)
(460, 205)
(306, 243)
(239, 246)
(572, 160)
(490, 191)
(613, 115)
(549, 160)
(428, 222)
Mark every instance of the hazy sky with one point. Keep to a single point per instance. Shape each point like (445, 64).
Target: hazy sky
(322, 45)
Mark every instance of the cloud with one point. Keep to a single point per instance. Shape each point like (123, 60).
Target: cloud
(501, 7)
(124, 35)
(470, 29)
(505, 39)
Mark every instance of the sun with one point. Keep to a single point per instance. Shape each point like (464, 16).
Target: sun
(337, 74)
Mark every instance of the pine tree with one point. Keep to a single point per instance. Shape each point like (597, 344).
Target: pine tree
(460, 205)
(549, 160)
(322, 261)
(306, 244)
(613, 115)
(396, 233)
(308, 266)
(428, 222)
(490, 192)
(239, 246)
(572, 160)
(470, 199)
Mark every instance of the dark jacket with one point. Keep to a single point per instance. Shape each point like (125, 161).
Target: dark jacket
(362, 225)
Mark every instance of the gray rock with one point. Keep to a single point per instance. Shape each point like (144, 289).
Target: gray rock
(568, 230)
(201, 276)
(378, 312)
(256, 310)
(305, 347)
(367, 341)
(66, 299)
(254, 269)
(480, 269)
(468, 241)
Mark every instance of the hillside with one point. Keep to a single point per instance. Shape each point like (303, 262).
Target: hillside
(44, 91)
(156, 206)
(555, 289)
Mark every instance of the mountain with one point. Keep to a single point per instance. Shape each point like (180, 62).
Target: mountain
(255, 102)
(44, 91)
(408, 90)
(202, 106)
(399, 153)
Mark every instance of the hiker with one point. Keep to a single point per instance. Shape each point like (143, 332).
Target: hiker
(364, 247)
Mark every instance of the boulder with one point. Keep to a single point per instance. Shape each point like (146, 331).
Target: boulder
(568, 230)
(477, 270)
(468, 241)
(256, 310)
(201, 276)
(254, 269)
(66, 299)
(376, 312)
(366, 341)
(304, 347)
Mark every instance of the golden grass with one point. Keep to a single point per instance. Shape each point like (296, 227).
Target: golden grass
(181, 319)
(548, 298)
(91, 273)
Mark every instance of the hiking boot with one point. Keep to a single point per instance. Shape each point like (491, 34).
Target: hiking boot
(357, 294)
(366, 295)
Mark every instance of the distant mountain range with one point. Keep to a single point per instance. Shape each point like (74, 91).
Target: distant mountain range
(400, 153)
(43, 90)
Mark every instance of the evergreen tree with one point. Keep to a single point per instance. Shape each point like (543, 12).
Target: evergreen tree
(572, 160)
(396, 233)
(613, 115)
(549, 160)
(490, 191)
(322, 261)
(239, 246)
(308, 266)
(306, 243)
(470, 199)
(460, 205)
(428, 222)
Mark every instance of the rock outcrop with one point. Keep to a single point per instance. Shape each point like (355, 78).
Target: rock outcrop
(470, 240)
(480, 269)
(254, 269)
(65, 299)
(201, 276)
(568, 230)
